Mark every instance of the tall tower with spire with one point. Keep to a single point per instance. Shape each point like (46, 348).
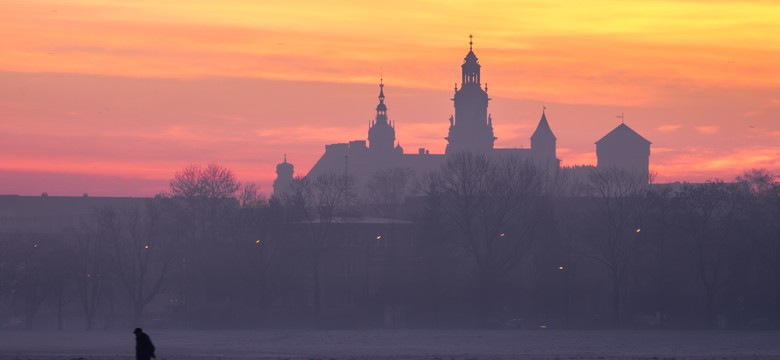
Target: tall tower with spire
(381, 133)
(471, 129)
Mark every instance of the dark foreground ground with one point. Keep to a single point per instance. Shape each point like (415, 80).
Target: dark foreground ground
(398, 344)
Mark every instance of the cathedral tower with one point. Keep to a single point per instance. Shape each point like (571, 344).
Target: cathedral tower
(471, 129)
(381, 133)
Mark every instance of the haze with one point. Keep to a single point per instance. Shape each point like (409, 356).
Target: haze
(111, 98)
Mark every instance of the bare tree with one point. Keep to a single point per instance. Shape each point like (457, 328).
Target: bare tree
(202, 201)
(61, 279)
(709, 215)
(143, 254)
(202, 193)
(570, 225)
(317, 204)
(32, 271)
(91, 260)
(387, 189)
(620, 206)
(659, 220)
(495, 209)
(259, 242)
(764, 217)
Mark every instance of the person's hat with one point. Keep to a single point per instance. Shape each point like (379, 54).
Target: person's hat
(137, 330)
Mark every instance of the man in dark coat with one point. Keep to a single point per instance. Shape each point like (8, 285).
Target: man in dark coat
(144, 349)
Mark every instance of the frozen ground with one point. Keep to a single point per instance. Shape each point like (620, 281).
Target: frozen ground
(397, 344)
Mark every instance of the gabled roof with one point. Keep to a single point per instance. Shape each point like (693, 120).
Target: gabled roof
(543, 129)
(622, 131)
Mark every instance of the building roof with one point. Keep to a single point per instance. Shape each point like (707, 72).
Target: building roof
(543, 129)
(623, 132)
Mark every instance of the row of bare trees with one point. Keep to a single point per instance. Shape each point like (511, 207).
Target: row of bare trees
(487, 239)
(709, 247)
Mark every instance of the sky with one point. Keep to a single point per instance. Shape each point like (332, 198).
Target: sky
(111, 98)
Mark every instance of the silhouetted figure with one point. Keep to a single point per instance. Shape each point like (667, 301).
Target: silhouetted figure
(144, 349)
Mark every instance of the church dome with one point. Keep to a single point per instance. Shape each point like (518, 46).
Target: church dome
(381, 132)
(284, 167)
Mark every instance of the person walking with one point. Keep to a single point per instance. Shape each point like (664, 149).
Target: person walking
(144, 349)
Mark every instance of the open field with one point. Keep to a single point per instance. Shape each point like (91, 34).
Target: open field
(397, 344)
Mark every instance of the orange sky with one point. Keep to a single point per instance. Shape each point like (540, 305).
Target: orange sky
(112, 97)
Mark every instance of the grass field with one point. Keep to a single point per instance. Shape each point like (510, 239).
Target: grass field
(397, 344)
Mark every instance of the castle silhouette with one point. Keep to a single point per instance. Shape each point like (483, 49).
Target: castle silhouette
(471, 129)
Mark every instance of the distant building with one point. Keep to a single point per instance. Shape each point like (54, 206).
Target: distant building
(623, 148)
(284, 177)
(470, 129)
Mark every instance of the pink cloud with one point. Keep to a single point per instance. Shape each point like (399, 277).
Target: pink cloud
(668, 128)
(709, 129)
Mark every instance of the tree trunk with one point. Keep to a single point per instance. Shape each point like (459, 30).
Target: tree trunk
(316, 290)
(710, 309)
(615, 300)
(138, 310)
(567, 298)
(60, 306)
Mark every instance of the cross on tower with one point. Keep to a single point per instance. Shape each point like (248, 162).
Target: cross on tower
(471, 42)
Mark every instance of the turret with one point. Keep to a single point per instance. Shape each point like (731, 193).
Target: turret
(381, 134)
(543, 140)
(284, 177)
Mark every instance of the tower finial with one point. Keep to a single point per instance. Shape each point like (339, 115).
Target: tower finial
(544, 108)
(285, 157)
(471, 41)
(622, 118)
(381, 91)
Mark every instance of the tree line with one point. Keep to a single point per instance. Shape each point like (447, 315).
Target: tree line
(481, 242)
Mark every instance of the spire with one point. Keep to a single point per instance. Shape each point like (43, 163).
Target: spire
(470, 67)
(381, 91)
(381, 108)
(381, 133)
(543, 130)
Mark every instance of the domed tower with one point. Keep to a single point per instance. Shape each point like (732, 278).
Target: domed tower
(381, 134)
(284, 177)
(470, 128)
(543, 140)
